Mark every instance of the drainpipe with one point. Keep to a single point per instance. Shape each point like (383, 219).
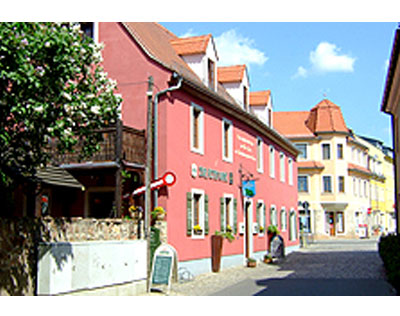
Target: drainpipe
(156, 98)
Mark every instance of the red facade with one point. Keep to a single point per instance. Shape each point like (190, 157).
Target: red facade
(207, 184)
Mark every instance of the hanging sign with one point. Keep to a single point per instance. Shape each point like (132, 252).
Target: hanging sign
(249, 188)
(168, 179)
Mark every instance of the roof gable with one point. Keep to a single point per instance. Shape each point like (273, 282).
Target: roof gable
(228, 74)
(260, 98)
(191, 45)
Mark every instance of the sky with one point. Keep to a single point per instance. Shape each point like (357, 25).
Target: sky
(302, 63)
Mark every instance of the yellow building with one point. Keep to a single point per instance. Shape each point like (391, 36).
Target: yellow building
(382, 214)
(333, 174)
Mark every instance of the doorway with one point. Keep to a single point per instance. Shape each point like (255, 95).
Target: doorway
(331, 223)
(248, 224)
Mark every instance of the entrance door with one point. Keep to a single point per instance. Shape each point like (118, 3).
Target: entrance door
(248, 234)
(331, 223)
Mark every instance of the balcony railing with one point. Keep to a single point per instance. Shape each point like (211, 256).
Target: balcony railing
(127, 144)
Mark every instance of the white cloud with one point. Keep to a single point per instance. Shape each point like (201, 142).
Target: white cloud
(234, 49)
(188, 33)
(326, 58)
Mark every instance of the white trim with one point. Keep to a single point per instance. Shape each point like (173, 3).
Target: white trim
(273, 207)
(200, 149)
(283, 209)
(201, 213)
(260, 154)
(322, 184)
(282, 167)
(322, 150)
(96, 31)
(261, 217)
(272, 161)
(231, 222)
(308, 183)
(228, 158)
(290, 171)
(307, 145)
(249, 222)
(344, 184)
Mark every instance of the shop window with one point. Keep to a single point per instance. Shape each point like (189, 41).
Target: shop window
(272, 162)
(302, 183)
(327, 184)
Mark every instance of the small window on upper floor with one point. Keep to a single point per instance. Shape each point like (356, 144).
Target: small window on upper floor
(260, 156)
(303, 150)
(326, 151)
(211, 74)
(282, 166)
(272, 162)
(245, 98)
(197, 129)
(340, 151)
(227, 141)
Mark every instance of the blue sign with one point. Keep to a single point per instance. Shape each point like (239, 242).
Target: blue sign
(249, 188)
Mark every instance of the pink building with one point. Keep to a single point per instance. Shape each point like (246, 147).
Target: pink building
(212, 133)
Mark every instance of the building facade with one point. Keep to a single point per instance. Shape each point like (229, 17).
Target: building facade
(391, 105)
(333, 174)
(211, 137)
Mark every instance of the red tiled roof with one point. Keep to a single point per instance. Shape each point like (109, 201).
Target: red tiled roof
(310, 165)
(358, 168)
(191, 45)
(259, 97)
(324, 117)
(292, 124)
(231, 73)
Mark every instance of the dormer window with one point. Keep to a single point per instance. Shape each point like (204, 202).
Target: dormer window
(211, 74)
(261, 106)
(236, 82)
(200, 54)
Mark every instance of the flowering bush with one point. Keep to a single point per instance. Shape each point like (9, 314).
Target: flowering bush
(52, 86)
(158, 211)
(197, 228)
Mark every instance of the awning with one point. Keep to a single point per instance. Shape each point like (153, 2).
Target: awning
(58, 176)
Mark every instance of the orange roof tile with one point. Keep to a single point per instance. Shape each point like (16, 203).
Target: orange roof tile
(231, 73)
(259, 97)
(310, 165)
(191, 45)
(292, 124)
(324, 117)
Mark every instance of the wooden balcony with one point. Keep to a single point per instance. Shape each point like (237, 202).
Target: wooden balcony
(121, 143)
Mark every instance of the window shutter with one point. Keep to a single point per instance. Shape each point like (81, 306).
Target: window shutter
(189, 214)
(206, 227)
(222, 217)
(235, 216)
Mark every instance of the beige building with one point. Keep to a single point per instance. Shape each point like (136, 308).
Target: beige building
(333, 174)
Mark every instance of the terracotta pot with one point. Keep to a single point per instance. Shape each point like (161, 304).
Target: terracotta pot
(251, 264)
(216, 252)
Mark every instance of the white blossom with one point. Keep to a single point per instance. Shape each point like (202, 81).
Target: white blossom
(95, 109)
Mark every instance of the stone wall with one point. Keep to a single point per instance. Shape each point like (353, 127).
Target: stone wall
(19, 238)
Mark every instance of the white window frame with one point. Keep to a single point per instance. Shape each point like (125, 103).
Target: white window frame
(290, 171)
(343, 151)
(283, 210)
(231, 221)
(306, 151)
(275, 218)
(200, 149)
(201, 213)
(355, 193)
(293, 225)
(282, 171)
(308, 182)
(260, 155)
(228, 158)
(322, 184)
(322, 151)
(261, 217)
(272, 162)
(344, 184)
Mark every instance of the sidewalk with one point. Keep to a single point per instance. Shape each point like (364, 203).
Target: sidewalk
(334, 261)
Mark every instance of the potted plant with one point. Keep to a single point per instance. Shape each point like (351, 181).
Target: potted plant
(197, 230)
(272, 231)
(251, 262)
(216, 247)
(267, 258)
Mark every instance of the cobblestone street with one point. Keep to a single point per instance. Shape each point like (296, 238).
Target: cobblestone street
(340, 267)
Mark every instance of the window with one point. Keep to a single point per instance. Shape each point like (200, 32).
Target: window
(302, 183)
(303, 150)
(292, 225)
(290, 168)
(273, 216)
(327, 184)
(269, 117)
(326, 151)
(340, 222)
(197, 129)
(359, 187)
(341, 186)
(211, 74)
(340, 151)
(282, 166)
(354, 186)
(197, 213)
(283, 219)
(227, 141)
(260, 158)
(227, 216)
(261, 217)
(272, 162)
(245, 97)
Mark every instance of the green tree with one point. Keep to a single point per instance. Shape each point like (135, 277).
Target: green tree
(52, 86)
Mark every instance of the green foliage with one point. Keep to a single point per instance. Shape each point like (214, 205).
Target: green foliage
(228, 235)
(272, 229)
(389, 250)
(52, 86)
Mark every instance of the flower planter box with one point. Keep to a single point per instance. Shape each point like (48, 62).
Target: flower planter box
(251, 264)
